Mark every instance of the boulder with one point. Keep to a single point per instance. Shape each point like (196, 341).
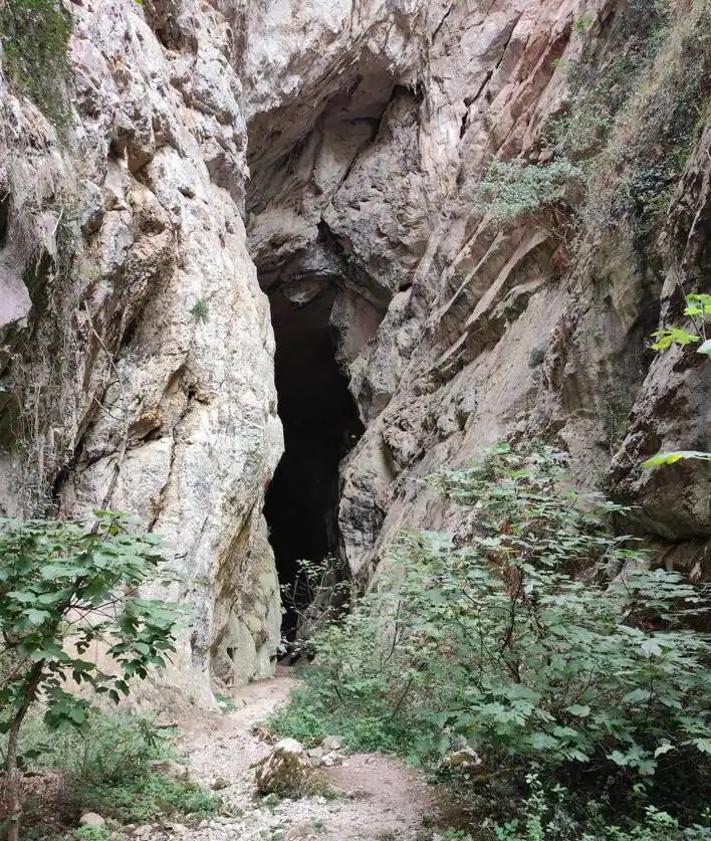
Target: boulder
(464, 759)
(331, 743)
(91, 819)
(169, 768)
(285, 771)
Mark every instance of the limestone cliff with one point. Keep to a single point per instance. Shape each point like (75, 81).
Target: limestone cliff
(337, 149)
(137, 368)
(487, 328)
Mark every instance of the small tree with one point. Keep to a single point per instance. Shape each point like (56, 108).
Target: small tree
(63, 587)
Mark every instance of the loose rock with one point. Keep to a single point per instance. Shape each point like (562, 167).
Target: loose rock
(286, 771)
(91, 819)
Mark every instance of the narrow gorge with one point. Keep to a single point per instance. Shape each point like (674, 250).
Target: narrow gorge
(268, 267)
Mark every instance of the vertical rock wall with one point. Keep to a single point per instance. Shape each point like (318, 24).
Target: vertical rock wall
(371, 126)
(140, 376)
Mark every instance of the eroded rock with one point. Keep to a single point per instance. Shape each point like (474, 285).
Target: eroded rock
(285, 771)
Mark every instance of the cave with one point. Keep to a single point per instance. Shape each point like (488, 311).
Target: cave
(321, 425)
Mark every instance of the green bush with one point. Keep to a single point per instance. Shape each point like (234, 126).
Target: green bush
(35, 41)
(515, 643)
(512, 189)
(143, 798)
(64, 586)
(546, 816)
(113, 748)
(107, 768)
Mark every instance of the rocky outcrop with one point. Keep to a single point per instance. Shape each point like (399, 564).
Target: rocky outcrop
(141, 380)
(286, 771)
(478, 329)
(136, 356)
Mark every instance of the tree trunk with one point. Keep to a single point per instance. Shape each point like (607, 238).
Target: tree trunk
(12, 780)
(12, 772)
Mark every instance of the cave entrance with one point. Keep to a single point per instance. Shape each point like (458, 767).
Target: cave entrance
(321, 425)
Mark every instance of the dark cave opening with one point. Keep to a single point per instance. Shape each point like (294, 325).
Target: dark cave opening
(321, 425)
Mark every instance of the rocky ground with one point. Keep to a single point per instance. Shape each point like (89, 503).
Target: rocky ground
(363, 796)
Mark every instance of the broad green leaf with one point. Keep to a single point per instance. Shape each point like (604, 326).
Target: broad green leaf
(579, 710)
(669, 336)
(651, 648)
(664, 458)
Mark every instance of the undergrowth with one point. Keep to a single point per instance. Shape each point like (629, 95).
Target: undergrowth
(107, 770)
(537, 641)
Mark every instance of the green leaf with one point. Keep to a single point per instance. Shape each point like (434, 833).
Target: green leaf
(579, 710)
(705, 348)
(665, 747)
(664, 458)
(703, 744)
(669, 336)
(36, 617)
(651, 648)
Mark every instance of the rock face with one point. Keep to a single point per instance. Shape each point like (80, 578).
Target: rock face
(368, 141)
(142, 379)
(135, 342)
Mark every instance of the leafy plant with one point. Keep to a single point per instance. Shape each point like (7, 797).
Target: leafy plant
(698, 310)
(316, 597)
(108, 767)
(512, 189)
(63, 588)
(111, 747)
(583, 23)
(142, 798)
(200, 310)
(35, 39)
(513, 642)
(660, 459)
(226, 702)
(92, 833)
(546, 817)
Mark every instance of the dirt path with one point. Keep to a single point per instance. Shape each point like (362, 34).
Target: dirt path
(378, 797)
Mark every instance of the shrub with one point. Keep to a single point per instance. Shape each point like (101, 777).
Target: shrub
(547, 817)
(512, 189)
(200, 311)
(140, 799)
(514, 643)
(111, 748)
(35, 39)
(107, 767)
(64, 587)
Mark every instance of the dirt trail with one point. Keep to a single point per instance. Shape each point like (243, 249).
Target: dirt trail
(379, 797)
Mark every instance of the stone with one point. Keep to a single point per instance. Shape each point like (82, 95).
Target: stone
(91, 819)
(331, 743)
(464, 759)
(149, 230)
(169, 768)
(285, 771)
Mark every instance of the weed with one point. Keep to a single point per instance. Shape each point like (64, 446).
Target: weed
(142, 798)
(200, 310)
(92, 833)
(226, 703)
(513, 643)
(510, 190)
